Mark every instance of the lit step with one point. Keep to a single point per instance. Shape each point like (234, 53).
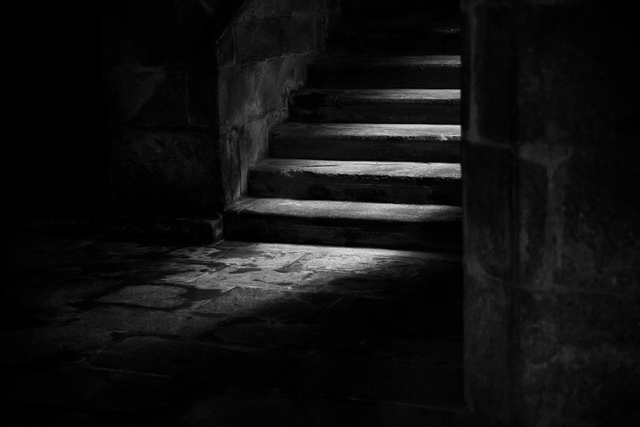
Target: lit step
(418, 106)
(426, 72)
(367, 141)
(381, 182)
(340, 223)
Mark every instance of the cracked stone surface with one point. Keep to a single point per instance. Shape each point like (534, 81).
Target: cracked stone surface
(100, 332)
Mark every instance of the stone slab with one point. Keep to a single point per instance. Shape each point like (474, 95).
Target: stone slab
(345, 223)
(367, 141)
(397, 40)
(426, 72)
(417, 106)
(382, 182)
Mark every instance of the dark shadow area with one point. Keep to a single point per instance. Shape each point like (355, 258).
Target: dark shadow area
(99, 331)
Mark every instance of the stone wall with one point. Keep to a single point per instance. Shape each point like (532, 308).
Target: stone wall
(189, 111)
(262, 57)
(160, 93)
(552, 237)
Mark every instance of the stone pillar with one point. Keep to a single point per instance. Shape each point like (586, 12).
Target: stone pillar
(552, 206)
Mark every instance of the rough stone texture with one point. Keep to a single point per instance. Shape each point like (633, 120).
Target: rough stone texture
(263, 59)
(201, 103)
(160, 96)
(387, 225)
(552, 243)
(409, 106)
(100, 332)
(378, 182)
(366, 141)
(432, 72)
(165, 172)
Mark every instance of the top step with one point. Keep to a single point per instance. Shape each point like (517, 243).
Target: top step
(379, 13)
(396, 40)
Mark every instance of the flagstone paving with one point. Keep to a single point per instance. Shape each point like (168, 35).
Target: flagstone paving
(101, 332)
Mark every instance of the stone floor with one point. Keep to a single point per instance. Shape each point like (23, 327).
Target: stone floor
(104, 332)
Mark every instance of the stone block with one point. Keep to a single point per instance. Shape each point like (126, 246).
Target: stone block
(136, 321)
(168, 172)
(146, 97)
(203, 254)
(257, 10)
(225, 49)
(491, 93)
(549, 321)
(555, 41)
(153, 33)
(321, 33)
(600, 229)
(267, 304)
(161, 97)
(487, 346)
(201, 97)
(252, 277)
(152, 296)
(251, 91)
(260, 40)
(536, 209)
(300, 34)
(487, 209)
(585, 348)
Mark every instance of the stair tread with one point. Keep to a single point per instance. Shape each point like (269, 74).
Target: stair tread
(419, 106)
(375, 169)
(392, 72)
(369, 131)
(347, 211)
(367, 141)
(434, 28)
(377, 61)
(344, 97)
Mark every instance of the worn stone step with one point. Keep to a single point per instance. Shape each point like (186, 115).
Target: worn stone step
(381, 182)
(399, 12)
(419, 106)
(403, 40)
(417, 72)
(366, 141)
(340, 223)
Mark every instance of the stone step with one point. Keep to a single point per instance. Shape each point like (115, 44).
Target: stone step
(417, 72)
(403, 40)
(379, 182)
(418, 106)
(367, 141)
(399, 12)
(343, 223)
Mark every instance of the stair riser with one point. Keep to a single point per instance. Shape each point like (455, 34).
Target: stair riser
(353, 188)
(404, 44)
(408, 151)
(431, 78)
(398, 19)
(435, 113)
(401, 236)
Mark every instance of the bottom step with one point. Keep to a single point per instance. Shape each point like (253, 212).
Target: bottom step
(342, 223)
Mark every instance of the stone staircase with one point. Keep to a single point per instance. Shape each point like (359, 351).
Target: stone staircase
(370, 156)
